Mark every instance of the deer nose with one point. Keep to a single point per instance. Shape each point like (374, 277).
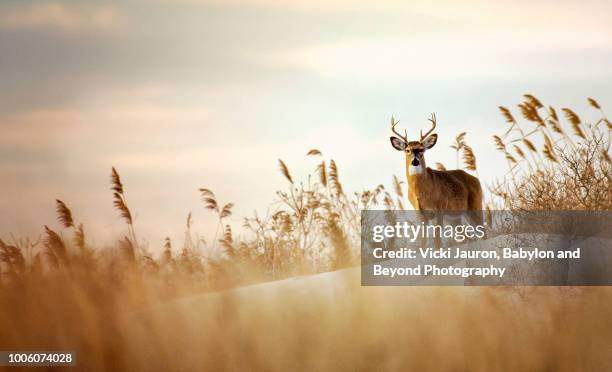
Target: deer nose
(415, 162)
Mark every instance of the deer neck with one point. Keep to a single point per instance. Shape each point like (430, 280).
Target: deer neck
(419, 179)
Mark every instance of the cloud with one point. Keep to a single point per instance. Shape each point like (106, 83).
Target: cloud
(533, 13)
(55, 16)
(37, 129)
(451, 56)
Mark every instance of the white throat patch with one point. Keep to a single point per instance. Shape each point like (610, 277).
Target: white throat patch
(412, 170)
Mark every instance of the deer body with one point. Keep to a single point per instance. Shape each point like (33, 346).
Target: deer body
(431, 190)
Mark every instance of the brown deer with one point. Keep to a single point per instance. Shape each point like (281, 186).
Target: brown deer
(430, 190)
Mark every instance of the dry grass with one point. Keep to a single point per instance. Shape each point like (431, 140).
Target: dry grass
(560, 171)
(325, 323)
(112, 305)
(336, 325)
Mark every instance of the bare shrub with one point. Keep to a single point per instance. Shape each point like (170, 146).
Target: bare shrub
(567, 170)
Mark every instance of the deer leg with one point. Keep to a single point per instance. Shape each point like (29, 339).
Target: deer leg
(475, 218)
(423, 221)
(453, 220)
(437, 238)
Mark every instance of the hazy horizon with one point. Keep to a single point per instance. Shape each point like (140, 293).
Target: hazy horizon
(186, 94)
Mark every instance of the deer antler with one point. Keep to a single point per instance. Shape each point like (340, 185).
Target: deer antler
(393, 124)
(433, 126)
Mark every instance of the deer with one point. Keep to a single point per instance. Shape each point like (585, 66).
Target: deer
(434, 192)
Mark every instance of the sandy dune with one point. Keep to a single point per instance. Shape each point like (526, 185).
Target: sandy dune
(329, 322)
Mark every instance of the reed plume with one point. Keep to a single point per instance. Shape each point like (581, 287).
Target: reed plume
(533, 101)
(469, 159)
(335, 178)
(55, 246)
(530, 112)
(120, 203)
(64, 215)
(507, 114)
(530, 145)
(119, 197)
(549, 150)
(226, 211)
(509, 119)
(121, 206)
(458, 145)
(116, 184)
(499, 143)
(511, 158)
(322, 172)
(12, 257)
(459, 141)
(227, 241)
(553, 113)
(594, 103)
(79, 237)
(397, 186)
(574, 120)
(285, 171)
(519, 152)
(211, 203)
(554, 121)
(209, 200)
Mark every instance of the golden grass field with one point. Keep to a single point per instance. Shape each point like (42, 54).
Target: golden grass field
(330, 323)
(283, 295)
(325, 322)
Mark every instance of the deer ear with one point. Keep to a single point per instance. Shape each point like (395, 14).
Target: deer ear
(398, 144)
(430, 141)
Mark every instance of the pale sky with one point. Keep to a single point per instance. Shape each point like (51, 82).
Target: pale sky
(186, 94)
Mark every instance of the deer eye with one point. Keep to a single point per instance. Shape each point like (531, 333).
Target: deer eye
(408, 151)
